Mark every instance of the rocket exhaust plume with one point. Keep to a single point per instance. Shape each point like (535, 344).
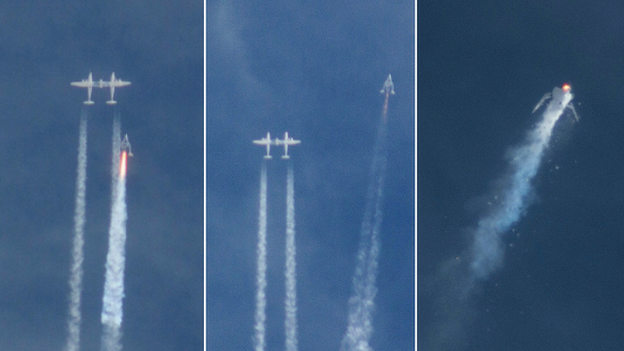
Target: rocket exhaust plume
(458, 278)
(259, 327)
(291, 274)
(115, 260)
(123, 164)
(362, 303)
(524, 161)
(76, 272)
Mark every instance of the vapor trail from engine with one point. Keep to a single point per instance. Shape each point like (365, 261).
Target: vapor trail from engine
(291, 273)
(261, 283)
(112, 313)
(458, 279)
(524, 161)
(76, 271)
(362, 303)
(115, 154)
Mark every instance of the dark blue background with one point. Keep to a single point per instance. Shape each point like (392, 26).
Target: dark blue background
(482, 66)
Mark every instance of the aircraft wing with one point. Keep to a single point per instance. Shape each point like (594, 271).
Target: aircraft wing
(83, 84)
(576, 116)
(115, 84)
(544, 98)
(119, 83)
(287, 140)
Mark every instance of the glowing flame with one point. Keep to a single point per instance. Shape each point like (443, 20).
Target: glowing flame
(123, 164)
(566, 87)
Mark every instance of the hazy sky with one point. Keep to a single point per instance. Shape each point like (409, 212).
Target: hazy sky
(313, 69)
(158, 46)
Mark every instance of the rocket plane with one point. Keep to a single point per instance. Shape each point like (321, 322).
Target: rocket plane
(125, 146)
(560, 98)
(388, 87)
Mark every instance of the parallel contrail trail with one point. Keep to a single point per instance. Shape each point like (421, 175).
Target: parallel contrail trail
(75, 279)
(362, 303)
(291, 274)
(261, 283)
(115, 154)
(115, 260)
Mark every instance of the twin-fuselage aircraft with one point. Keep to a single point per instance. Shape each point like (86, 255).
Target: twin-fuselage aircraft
(268, 142)
(89, 83)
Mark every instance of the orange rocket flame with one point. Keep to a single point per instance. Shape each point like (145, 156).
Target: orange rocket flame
(123, 164)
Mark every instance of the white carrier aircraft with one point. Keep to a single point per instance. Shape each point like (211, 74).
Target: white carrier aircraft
(287, 141)
(266, 141)
(86, 83)
(114, 83)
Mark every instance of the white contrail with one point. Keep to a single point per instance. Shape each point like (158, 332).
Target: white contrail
(75, 278)
(115, 263)
(115, 154)
(362, 303)
(291, 274)
(459, 279)
(261, 282)
(524, 161)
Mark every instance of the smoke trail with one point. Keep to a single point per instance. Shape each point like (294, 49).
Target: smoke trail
(384, 113)
(261, 282)
(524, 161)
(291, 274)
(458, 278)
(115, 155)
(115, 262)
(75, 278)
(362, 303)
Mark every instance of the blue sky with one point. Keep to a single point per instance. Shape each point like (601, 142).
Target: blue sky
(313, 69)
(158, 46)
